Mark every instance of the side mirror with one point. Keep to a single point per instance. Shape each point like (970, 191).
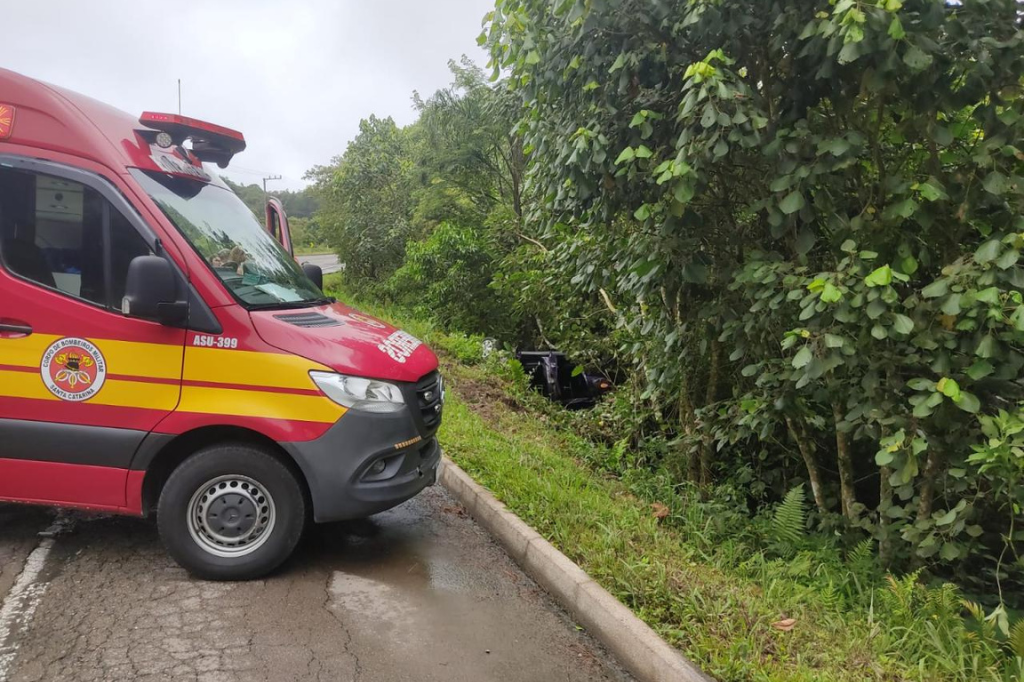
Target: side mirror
(315, 274)
(151, 292)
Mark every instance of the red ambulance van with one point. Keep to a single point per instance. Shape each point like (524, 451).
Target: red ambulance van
(161, 353)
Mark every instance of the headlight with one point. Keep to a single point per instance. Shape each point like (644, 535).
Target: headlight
(357, 393)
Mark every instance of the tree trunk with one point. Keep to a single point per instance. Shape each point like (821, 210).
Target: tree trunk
(845, 460)
(927, 491)
(884, 503)
(686, 421)
(707, 451)
(806, 446)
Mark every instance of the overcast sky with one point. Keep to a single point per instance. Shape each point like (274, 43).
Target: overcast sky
(294, 76)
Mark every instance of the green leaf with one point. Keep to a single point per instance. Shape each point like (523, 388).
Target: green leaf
(989, 295)
(831, 293)
(1017, 318)
(995, 183)
(803, 357)
(642, 152)
(626, 155)
(533, 57)
(950, 551)
(577, 370)
(884, 458)
(949, 388)
(980, 369)
(921, 384)
(951, 306)
(879, 278)
(849, 246)
(793, 202)
(988, 251)
(836, 146)
(620, 61)
(643, 213)
(903, 324)
(902, 209)
(833, 341)
(916, 59)
(968, 402)
(944, 519)
(986, 347)
(879, 332)
(923, 409)
(931, 192)
(909, 265)
(939, 287)
(896, 31)
(683, 191)
(876, 308)
(1008, 259)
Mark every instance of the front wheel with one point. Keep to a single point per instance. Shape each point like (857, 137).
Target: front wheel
(231, 512)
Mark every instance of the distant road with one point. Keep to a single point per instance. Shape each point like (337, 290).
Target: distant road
(328, 262)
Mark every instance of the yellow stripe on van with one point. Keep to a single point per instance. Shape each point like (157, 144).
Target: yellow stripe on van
(144, 395)
(127, 358)
(249, 368)
(265, 404)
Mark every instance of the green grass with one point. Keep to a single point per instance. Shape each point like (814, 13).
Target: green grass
(709, 591)
(314, 251)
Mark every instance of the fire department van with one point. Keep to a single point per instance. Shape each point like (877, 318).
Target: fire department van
(162, 353)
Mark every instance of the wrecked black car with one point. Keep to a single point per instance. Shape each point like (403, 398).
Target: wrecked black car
(552, 374)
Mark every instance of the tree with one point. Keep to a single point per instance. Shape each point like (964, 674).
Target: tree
(804, 222)
(366, 201)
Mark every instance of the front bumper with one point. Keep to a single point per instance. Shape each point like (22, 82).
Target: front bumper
(337, 466)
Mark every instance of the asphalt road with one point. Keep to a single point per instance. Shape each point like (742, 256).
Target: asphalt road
(328, 262)
(419, 593)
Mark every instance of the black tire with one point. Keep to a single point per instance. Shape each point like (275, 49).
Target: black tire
(262, 476)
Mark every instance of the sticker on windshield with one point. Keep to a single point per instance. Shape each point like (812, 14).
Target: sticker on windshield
(73, 369)
(399, 346)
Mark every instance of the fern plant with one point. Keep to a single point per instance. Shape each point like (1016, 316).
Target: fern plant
(789, 523)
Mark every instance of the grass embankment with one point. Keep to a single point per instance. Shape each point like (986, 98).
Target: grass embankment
(735, 610)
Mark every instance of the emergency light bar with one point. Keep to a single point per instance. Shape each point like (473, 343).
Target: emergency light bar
(210, 142)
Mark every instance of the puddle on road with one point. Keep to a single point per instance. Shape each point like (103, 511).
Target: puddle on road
(371, 599)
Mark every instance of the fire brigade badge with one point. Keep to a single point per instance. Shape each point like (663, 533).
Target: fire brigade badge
(73, 369)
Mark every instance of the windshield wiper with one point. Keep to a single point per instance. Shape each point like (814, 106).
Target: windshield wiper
(287, 305)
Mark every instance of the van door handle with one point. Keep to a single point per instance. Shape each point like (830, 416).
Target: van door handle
(12, 329)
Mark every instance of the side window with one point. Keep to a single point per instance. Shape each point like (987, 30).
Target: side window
(64, 235)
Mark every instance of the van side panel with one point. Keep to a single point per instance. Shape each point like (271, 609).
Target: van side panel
(77, 485)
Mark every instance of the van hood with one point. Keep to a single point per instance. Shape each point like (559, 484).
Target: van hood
(347, 341)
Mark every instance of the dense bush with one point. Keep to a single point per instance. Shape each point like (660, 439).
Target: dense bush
(446, 278)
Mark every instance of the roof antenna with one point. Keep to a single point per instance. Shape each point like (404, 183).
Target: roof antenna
(179, 97)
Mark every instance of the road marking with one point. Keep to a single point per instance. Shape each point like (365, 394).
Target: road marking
(22, 601)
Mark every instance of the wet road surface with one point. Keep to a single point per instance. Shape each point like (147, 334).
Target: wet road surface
(328, 262)
(418, 593)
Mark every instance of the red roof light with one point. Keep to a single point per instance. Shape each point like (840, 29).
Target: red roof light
(161, 122)
(210, 142)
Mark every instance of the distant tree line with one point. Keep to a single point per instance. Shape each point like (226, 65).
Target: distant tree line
(300, 207)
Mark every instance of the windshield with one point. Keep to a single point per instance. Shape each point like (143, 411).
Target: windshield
(227, 235)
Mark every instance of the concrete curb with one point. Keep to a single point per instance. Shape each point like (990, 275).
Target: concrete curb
(633, 642)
